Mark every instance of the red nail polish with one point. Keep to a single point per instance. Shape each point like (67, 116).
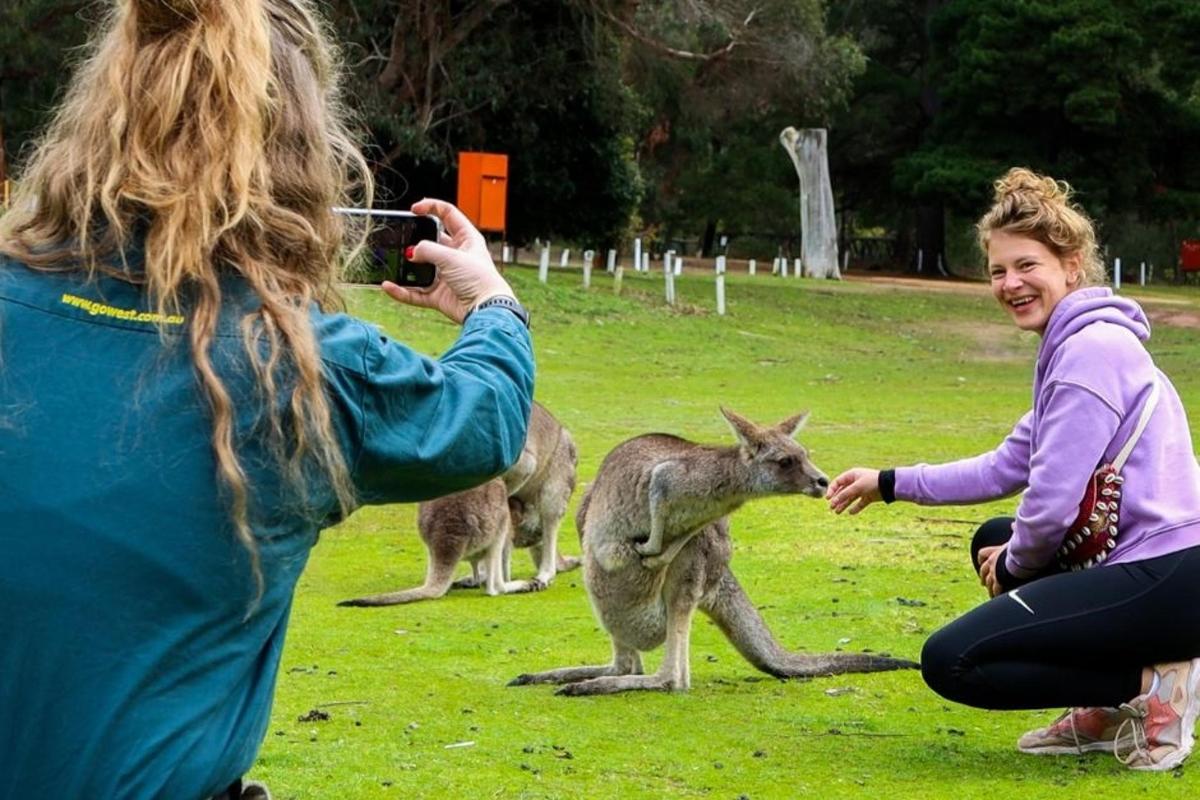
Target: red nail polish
(408, 252)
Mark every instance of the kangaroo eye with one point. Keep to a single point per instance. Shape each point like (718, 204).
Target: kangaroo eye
(787, 462)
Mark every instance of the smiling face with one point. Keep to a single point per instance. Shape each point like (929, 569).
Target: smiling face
(1029, 279)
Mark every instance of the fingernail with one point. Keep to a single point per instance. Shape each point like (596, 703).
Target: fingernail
(408, 252)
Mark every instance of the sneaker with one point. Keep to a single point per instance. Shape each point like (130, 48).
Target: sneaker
(255, 791)
(1158, 734)
(1076, 731)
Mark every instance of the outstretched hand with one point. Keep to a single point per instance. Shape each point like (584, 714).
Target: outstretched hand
(854, 489)
(465, 272)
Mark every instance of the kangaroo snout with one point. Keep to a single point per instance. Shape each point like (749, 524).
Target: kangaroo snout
(817, 486)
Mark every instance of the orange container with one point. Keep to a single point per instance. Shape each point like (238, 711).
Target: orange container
(483, 189)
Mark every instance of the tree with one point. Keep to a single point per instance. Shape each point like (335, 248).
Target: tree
(1103, 97)
(718, 80)
(36, 40)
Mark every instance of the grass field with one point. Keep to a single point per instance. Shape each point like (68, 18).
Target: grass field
(416, 694)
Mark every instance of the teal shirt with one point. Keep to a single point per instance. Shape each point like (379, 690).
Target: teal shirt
(128, 666)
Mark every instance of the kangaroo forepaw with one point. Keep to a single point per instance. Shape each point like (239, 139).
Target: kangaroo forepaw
(568, 563)
(655, 562)
(647, 548)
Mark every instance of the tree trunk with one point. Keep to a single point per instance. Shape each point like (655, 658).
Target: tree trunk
(710, 238)
(818, 226)
(930, 256)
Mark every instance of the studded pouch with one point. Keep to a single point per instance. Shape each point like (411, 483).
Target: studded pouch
(1094, 533)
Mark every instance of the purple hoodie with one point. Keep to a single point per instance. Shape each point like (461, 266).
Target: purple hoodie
(1090, 382)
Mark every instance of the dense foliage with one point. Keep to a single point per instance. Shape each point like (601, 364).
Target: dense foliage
(662, 118)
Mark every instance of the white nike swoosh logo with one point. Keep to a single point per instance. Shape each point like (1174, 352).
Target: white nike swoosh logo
(1024, 605)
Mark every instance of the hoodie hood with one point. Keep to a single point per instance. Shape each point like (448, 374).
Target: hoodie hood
(1084, 307)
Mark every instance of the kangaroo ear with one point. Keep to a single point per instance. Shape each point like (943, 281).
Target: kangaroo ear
(745, 430)
(792, 425)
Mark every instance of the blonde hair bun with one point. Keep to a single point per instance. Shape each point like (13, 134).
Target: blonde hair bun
(1022, 182)
(1040, 207)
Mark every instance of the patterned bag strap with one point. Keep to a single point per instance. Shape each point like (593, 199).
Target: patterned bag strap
(1147, 410)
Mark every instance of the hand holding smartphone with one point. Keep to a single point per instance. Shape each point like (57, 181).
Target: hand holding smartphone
(392, 233)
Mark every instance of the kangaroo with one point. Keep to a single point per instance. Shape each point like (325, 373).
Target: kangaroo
(655, 532)
(522, 508)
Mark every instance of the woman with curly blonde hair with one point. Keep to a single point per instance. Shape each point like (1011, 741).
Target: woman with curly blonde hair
(182, 409)
(1096, 580)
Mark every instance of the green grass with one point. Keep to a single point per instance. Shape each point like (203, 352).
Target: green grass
(892, 376)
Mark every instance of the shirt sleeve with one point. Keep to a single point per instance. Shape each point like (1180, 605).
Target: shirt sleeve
(420, 427)
(1076, 428)
(989, 476)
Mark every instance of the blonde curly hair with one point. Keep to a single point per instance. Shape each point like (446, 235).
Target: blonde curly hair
(1040, 208)
(210, 134)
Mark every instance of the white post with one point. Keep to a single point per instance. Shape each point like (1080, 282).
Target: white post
(588, 257)
(799, 265)
(1116, 273)
(846, 260)
(720, 266)
(775, 265)
(617, 276)
(544, 263)
(750, 265)
(1142, 275)
(645, 262)
(612, 261)
(566, 255)
(669, 274)
(637, 254)
(721, 293)
(505, 255)
(783, 265)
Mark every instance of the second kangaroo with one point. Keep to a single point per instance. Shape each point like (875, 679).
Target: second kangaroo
(522, 508)
(656, 547)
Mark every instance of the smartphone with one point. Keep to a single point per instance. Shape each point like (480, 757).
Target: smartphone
(392, 232)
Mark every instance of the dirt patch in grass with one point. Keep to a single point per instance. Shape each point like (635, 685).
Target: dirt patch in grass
(1173, 318)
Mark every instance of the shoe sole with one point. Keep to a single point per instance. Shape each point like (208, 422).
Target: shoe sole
(1067, 750)
(1188, 723)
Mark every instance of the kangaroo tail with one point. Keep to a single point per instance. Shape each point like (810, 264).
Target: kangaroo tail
(730, 608)
(438, 577)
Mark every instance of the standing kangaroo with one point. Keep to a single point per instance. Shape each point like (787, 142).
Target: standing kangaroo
(656, 547)
(521, 508)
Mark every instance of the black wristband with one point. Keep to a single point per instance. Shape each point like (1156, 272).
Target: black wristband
(1003, 577)
(887, 485)
(502, 301)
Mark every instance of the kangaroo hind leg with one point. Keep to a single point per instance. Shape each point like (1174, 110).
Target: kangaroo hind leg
(626, 661)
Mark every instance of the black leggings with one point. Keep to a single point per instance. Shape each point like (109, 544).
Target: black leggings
(1068, 638)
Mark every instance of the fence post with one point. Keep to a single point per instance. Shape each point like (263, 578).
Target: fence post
(544, 263)
(637, 254)
(612, 261)
(720, 267)
(750, 265)
(1116, 273)
(588, 257)
(669, 275)
(566, 255)
(617, 276)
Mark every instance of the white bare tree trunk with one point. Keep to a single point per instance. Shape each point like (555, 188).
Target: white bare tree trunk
(818, 227)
